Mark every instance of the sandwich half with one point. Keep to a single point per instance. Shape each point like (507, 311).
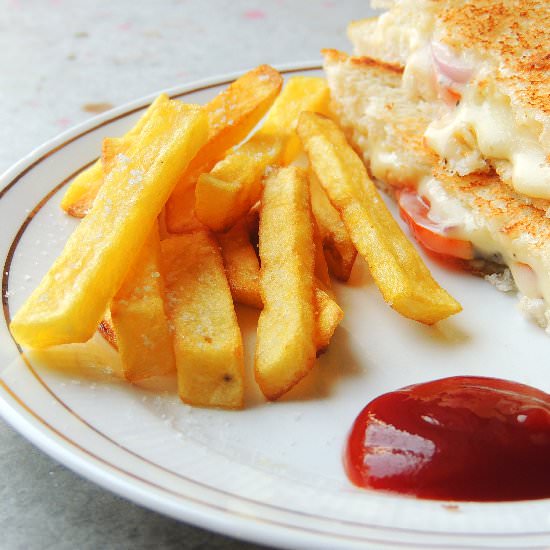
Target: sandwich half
(485, 65)
(475, 217)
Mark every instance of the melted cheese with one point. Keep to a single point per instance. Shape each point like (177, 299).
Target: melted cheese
(488, 241)
(485, 128)
(481, 128)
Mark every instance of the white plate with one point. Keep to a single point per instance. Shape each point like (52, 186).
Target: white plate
(271, 473)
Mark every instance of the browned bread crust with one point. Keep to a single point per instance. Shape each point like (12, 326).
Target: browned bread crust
(515, 33)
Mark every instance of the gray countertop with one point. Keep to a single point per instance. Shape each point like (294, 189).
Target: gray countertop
(63, 61)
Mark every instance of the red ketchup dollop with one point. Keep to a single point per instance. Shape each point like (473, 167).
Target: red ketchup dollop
(459, 438)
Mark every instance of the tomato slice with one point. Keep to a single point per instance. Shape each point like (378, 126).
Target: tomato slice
(415, 211)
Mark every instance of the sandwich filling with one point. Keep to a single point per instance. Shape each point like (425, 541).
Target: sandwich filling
(477, 123)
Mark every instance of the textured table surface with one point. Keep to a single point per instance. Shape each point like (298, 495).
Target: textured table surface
(63, 61)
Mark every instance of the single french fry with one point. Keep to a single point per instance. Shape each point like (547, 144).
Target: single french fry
(232, 115)
(207, 338)
(396, 267)
(79, 197)
(285, 344)
(241, 265)
(73, 296)
(142, 331)
(328, 315)
(301, 93)
(339, 251)
(233, 186)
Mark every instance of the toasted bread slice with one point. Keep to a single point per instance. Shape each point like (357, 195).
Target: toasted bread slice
(379, 118)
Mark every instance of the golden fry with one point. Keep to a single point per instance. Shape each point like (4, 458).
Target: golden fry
(73, 296)
(328, 315)
(285, 345)
(207, 338)
(339, 251)
(301, 93)
(233, 186)
(142, 332)
(232, 114)
(396, 267)
(80, 195)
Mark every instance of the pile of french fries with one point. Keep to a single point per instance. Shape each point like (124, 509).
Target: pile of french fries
(188, 214)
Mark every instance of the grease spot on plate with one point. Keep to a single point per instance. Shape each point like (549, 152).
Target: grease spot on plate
(97, 108)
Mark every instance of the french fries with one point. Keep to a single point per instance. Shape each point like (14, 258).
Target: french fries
(339, 251)
(232, 187)
(285, 344)
(166, 301)
(328, 315)
(142, 332)
(73, 296)
(79, 197)
(243, 274)
(396, 267)
(207, 338)
(231, 116)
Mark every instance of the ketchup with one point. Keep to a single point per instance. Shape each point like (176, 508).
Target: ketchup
(459, 438)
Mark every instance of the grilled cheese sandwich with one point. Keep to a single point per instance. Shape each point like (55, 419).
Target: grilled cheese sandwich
(387, 128)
